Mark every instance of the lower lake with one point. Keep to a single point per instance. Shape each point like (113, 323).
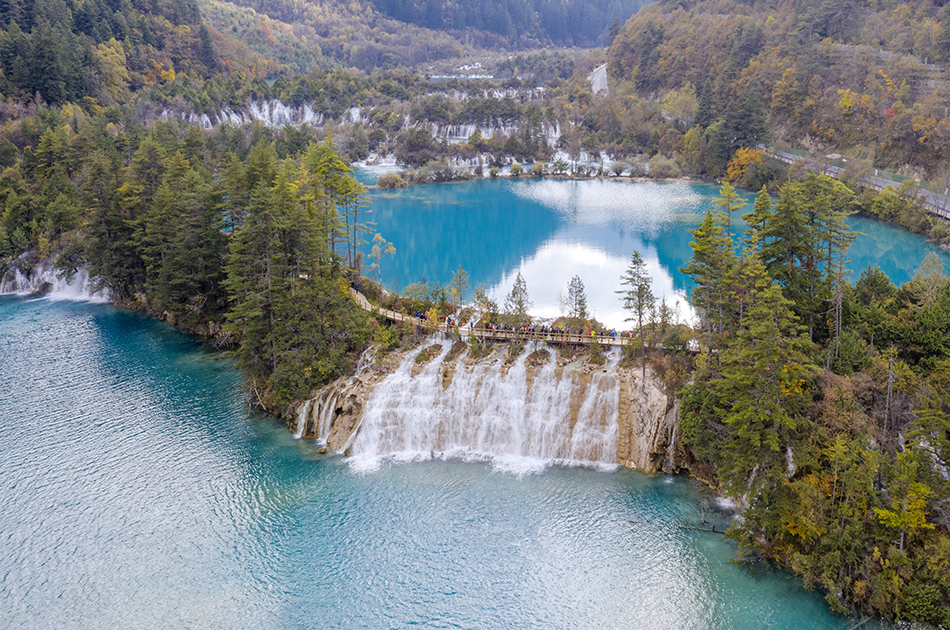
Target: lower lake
(140, 492)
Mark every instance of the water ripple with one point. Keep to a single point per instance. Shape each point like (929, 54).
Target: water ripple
(140, 492)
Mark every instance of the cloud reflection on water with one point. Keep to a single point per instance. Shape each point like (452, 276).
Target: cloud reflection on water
(549, 270)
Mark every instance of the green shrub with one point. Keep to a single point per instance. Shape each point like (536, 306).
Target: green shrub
(391, 180)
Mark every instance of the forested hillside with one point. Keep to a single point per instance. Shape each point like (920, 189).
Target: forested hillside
(302, 36)
(583, 23)
(237, 229)
(65, 50)
(863, 76)
(824, 404)
(391, 33)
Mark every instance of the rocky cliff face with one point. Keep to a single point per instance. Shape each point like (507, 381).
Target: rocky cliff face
(436, 400)
(648, 425)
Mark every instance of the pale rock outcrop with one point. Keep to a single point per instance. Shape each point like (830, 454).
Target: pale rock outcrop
(645, 416)
(648, 423)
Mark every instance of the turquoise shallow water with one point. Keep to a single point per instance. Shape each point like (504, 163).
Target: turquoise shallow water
(139, 492)
(552, 229)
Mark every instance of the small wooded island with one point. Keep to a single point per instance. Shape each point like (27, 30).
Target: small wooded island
(197, 162)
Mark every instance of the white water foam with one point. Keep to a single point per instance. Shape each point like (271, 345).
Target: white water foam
(490, 412)
(45, 280)
(302, 419)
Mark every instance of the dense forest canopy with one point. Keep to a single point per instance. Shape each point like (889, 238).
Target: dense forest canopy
(824, 404)
(582, 23)
(869, 77)
(65, 50)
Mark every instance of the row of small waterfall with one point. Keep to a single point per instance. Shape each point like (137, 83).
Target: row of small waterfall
(275, 114)
(522, 415)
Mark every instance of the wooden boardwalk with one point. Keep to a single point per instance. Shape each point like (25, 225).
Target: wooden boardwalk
(492, 334)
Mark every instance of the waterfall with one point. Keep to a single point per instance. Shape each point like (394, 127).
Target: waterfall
(316, 415)
(43, 279)
(302, 419)
(522, 418)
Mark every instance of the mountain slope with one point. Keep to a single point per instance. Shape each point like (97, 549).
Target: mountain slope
(854, 75)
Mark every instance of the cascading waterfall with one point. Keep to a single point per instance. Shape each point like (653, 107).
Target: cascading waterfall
(521, 418)
(302, 419)
(43, 279)
(315, 417)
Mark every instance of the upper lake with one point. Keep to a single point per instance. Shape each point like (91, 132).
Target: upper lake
(552, 229)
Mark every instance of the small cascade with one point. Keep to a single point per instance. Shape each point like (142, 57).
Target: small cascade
(315, 417)
(43, 279)
(302, 419)
(521, 417)
(15, 282)
(325, 417)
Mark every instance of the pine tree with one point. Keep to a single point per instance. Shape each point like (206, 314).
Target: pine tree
(517, 302)
(233, 191)
(331, 196)
(111, 249)
(710, 269)
(728, 202)
(576, 299)
(749, 121)
(458, 286)
(759, 217)
(638, 298)
(614, 30)
(804, 240)
(253, 278)
(206, 49)
(765, 375)
(706, 106)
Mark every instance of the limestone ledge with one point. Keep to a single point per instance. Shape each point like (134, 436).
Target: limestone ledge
(648, 417)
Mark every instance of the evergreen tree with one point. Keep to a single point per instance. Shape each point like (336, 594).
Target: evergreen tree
(333, 198)
(638, 298)
(706, 113)
(803, 237)
(233, 191)
(710, 269)
(183, 246)
(765, 376)
(206, 49)
(458, 286)
(749, 121)
(728, 202)
(253, 279)
(111, 248)
(614, 30)
(758, 218)
(517, 302)
(576, 299)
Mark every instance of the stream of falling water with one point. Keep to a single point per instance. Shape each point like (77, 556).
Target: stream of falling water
(521, 422)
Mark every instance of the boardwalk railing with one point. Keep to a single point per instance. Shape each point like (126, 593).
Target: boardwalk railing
(493, 334)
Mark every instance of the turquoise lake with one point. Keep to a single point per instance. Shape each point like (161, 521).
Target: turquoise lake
(551, 229)
(140, 492)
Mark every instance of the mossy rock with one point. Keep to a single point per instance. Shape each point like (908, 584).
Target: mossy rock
(428, 354)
